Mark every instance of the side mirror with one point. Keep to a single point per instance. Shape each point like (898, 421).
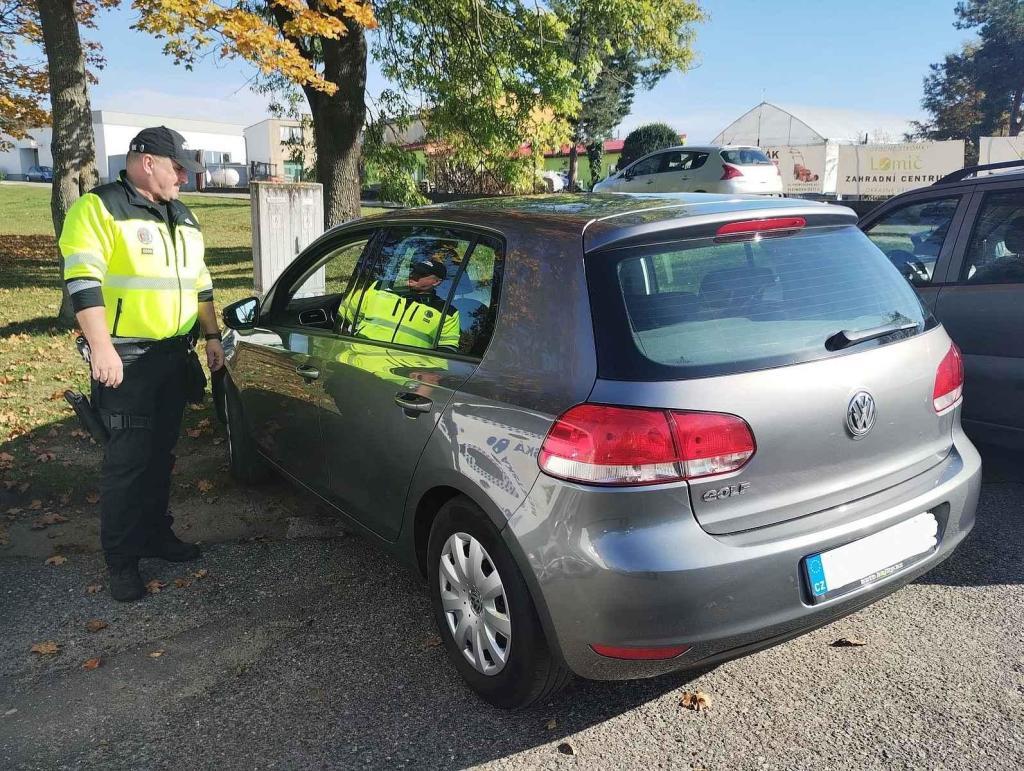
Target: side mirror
(242, 314)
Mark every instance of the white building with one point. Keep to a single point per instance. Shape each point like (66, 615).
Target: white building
(220, 143)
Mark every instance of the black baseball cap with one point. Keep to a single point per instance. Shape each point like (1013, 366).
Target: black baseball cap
(166, 143)
(422, 268)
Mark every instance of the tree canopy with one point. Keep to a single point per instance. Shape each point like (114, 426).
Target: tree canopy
(646, 139)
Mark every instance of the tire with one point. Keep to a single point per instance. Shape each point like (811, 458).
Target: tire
(530, 670)
(244, 461)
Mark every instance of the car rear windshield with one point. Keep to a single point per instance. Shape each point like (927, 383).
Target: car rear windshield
(704, 307)
(747, 156)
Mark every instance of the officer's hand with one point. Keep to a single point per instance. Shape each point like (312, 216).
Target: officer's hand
(107, 367)
(214, 355)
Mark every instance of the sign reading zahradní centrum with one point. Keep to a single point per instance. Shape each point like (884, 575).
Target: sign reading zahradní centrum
(884, 170)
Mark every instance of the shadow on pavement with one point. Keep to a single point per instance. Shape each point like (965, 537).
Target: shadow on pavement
(994, 551)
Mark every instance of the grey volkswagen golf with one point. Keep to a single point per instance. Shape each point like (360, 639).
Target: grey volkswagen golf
(617, 435)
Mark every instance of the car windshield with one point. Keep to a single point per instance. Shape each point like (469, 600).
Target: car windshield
(746, 156)
(705, 307)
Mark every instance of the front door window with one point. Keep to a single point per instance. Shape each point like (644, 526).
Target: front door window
(911, 236)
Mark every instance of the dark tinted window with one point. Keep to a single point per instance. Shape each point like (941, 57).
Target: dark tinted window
(646, 166)
(746, 156)
(703, 307)
(911, 236)
(995, 254)
(681, 160)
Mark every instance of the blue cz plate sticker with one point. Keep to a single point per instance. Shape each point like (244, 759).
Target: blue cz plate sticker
(816, 575)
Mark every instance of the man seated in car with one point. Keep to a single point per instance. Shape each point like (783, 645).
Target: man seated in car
(1008, 267)
(409, 316)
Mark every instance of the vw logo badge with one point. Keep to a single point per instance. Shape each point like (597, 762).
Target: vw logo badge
(860, 414)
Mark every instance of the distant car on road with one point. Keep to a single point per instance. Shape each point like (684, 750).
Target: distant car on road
(960, 242)
(39, 174)
(711, 169)
(618, 435)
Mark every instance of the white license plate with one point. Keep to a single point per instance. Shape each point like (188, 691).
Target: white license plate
(870, 559)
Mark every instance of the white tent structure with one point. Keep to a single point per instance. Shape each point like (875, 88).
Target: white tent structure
(804, 141)
(770, 124)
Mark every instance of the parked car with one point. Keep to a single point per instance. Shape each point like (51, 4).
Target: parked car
(698, 170)
(960, 242)
(672, 431)
(39, 174)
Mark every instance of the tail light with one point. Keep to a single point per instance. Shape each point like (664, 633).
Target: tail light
(949, 380)
(730, 172)
(747, 229)
(600, 444)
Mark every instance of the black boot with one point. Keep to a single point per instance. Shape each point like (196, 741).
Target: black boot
(172, 549)
(125, 582)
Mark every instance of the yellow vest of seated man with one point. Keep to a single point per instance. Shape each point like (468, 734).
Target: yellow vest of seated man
(407, 318)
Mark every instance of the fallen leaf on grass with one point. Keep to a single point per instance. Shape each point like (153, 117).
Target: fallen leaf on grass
(431, 642)
(92, 663)
(566, 748)
(551, 725)
(698, 701)
(219, 440)
(46, 457)
(194, 433)
(36, 505)
(46, 520)
(58, 394)
(94, 588)
(96, 625)
(848, 642)
(204, 485)
(156, 654)
(48, 648)
(154, 586)
(78, 433)
(56, 559)
(92, 498)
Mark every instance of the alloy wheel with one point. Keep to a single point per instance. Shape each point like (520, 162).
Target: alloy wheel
(474, 603)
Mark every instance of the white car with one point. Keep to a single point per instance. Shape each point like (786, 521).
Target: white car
(711, 169)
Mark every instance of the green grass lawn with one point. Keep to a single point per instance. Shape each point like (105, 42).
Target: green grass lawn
(42, 456)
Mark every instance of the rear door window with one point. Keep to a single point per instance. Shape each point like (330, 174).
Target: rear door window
(703, 307)
(995, 254)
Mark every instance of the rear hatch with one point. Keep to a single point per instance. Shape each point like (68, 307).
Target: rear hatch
(750, 166)
(766, 326)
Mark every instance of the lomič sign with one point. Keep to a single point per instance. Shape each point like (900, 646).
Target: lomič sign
(885, 170)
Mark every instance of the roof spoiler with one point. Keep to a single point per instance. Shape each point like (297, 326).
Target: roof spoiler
(971, 171)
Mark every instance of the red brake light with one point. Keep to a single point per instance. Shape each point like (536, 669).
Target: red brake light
(949, 380)
(773, 226)
(640, 654)
(604, 445)
(730, 172)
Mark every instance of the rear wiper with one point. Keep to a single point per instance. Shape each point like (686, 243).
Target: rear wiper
(847, 337)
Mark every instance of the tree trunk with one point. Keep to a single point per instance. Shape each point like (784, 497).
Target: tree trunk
(337, 122)
(574, 165)
(72, 142)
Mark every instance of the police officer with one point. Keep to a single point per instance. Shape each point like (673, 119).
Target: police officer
(133, 264)
(412, 317)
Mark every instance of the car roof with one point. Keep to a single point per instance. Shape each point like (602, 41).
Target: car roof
(604, 219)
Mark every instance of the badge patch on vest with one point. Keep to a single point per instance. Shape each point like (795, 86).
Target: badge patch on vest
(145, 237)
(428, 315)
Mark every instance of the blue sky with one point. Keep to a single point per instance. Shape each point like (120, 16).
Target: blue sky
(870, 56)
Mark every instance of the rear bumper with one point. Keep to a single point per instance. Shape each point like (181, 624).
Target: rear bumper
(633, 568)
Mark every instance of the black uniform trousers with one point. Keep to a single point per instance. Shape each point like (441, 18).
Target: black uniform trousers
(144, 417)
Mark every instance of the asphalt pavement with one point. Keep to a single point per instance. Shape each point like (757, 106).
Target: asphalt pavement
(318, 651)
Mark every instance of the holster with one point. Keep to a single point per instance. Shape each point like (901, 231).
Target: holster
(88, 416)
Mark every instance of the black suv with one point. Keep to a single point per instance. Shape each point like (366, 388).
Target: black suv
(960, 242)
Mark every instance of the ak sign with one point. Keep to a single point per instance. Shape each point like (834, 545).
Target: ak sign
(885, 170)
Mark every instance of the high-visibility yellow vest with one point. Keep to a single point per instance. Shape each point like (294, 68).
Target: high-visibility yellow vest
(147, 259)
(382, 314)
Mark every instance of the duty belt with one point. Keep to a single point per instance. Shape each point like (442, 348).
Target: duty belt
(140, 347)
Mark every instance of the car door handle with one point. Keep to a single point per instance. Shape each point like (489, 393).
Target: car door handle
(413, 402)
(307, 372)
(650, 182)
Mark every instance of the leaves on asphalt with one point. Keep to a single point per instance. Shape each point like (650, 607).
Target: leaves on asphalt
(94, 588)
(201, 574)
(431, 642)
(566, 748)
(56, 560)
(695, 700)
(551, 725)
(46, 520)
(96, 625)
(156, 654)
(154, 586)
(36, 505)
(204, 485)
(182, 583)
(92, 497)
(91, 664)
(848, 642)
(48, 648)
